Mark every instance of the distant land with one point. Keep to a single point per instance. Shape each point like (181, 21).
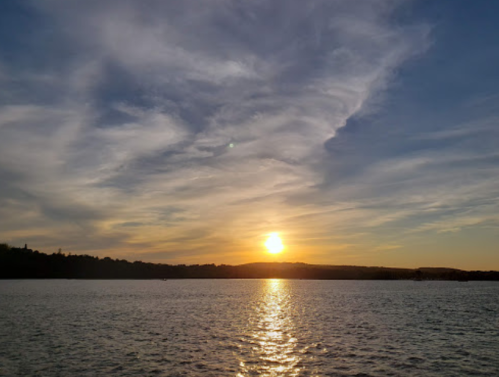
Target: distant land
(24, 263)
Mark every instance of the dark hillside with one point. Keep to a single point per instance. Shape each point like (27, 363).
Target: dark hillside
(24, 263)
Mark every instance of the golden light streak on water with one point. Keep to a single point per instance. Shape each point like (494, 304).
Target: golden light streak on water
(273, 339)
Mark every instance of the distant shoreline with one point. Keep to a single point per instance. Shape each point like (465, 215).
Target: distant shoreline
(244, 278)
(24, 263)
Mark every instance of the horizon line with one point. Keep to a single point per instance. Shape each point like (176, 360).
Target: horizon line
(250, 263)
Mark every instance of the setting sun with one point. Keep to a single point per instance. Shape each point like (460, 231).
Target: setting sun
(274, 244)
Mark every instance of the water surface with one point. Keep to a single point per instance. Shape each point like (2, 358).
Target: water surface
(248, 328)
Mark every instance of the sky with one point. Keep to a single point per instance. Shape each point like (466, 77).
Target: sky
(362, 132)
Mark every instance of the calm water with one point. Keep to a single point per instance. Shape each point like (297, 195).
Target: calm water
(248, 328)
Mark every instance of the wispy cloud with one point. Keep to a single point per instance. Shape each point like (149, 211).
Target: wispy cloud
(199, 126)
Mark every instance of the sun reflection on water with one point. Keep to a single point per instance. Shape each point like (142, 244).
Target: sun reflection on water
(272, 335)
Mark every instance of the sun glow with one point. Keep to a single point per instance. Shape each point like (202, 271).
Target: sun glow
(274, 244)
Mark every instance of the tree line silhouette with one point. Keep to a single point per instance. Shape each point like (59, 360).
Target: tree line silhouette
(24, 263)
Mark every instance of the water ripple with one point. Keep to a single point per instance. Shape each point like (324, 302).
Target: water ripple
(248, 328)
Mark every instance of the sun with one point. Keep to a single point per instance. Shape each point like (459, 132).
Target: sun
(274, 244)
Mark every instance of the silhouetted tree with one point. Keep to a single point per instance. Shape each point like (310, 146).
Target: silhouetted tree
(24, 263)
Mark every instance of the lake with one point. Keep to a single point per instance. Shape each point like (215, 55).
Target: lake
(248, 328)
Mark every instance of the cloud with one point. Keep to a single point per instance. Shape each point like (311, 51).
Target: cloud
(219, 109)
